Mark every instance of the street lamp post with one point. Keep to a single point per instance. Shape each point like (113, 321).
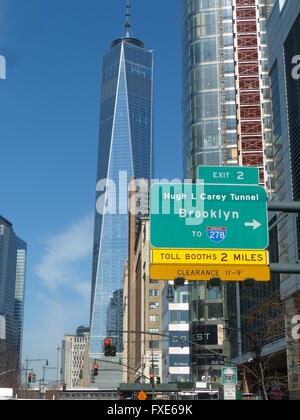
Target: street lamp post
(57, 364)
(152, 376)
(44, 373)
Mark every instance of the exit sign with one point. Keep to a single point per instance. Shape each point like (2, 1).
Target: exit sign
(228, 175)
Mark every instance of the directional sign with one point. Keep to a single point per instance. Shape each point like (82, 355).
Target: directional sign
(208, 256)
(229, 375)
(206, 272)
(208, 216)
(228, 175)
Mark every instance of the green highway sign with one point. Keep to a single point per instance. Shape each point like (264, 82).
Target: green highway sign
(208, 216)
(228, 175)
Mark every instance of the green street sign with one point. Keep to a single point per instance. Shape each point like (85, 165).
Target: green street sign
(229, 375)
(208, 216)
(228, 175)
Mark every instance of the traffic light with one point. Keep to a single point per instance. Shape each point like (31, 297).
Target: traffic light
(107, 347)
(33, 377)
(95, 369)
(151, 378)
(64, 387)
(158, 380)
(29, 378)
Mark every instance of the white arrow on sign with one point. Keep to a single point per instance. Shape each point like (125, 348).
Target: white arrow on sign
(255, 224)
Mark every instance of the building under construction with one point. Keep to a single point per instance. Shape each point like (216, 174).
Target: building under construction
(252, 87)
(226, 105)
(227, 122)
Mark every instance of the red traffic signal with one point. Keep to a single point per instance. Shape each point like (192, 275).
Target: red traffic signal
(95, 369)
(107, 347)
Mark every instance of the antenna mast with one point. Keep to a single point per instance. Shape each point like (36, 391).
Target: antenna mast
(128, 20)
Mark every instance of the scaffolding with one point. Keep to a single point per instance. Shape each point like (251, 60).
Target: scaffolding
(222, 103)
(249, 98)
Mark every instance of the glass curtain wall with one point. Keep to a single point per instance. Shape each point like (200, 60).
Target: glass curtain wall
(208, 85)
(210, 138)
(12, 285)
(125, 148)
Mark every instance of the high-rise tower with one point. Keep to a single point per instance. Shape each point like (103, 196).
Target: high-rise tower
(284, 46)
(125, 150)
(12, 285)
(227, 122)
(226, 89)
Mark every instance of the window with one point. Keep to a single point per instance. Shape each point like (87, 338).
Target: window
(179, 317)
(153, 330)
(154, 344)
(215, 310)
(153, 318)
(153, 292)
(184, 297)
(155, 357)
(214, 293)
(154, 305)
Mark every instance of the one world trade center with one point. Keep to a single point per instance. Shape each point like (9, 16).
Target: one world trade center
(125, 151)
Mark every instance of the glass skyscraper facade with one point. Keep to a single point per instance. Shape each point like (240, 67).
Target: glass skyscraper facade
(226, 122)
(125, 151)
(284, 49)
(12, 285)
(208, 84)
(226, 89)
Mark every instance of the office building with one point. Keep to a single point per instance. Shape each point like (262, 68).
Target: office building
(226, 103)
(226, 122)
(12, 286)
(73, 350)
(284, 49)
(176, 323)
(143, 297)
(125, 148)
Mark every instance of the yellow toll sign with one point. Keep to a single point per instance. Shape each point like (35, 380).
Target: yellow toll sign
(206, 272)
(209, 256)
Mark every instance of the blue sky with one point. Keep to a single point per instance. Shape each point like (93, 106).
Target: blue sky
(49, 116)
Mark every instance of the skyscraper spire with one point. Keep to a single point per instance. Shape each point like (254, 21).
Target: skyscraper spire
(128, 20)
